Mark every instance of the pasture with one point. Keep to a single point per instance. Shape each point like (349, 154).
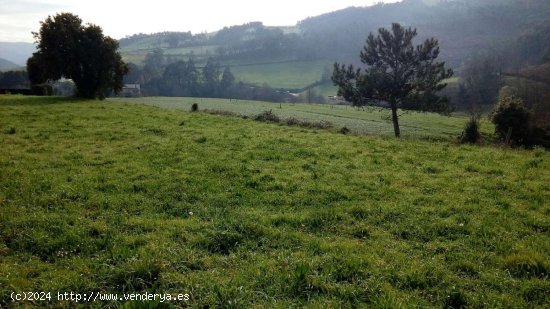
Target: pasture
(285, 74)
(277, 72)
(369, 120)
(124, 197)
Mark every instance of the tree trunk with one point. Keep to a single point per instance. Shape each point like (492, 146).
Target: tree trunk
(395, 120)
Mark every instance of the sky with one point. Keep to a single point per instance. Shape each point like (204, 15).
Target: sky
(119, 18)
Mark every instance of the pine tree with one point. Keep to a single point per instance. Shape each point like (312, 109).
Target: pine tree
(397, 73)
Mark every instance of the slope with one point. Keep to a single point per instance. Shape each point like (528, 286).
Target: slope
(261, 54)
(106, 197)
(7, 65)
(16, 52)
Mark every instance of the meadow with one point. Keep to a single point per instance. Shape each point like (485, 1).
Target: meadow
(277, 72)
(284, 74)
(368, 120)
(123, 197)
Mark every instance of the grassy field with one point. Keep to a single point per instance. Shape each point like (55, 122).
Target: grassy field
(276, 72)
(118, 197)
(282, 73)
(289, 75)
(362, 121)
(327, 90)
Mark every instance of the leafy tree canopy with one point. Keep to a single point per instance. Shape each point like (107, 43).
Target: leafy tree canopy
(397, 73)
(68, 49)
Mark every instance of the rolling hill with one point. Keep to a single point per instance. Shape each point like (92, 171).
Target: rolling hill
(271, 55)
(7, 65)
(295, 57)
(16, 52)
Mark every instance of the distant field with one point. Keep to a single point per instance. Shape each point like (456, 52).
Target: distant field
(290, 75)
(326, 90)
(277, 73)
(111, 197)
(363, 121)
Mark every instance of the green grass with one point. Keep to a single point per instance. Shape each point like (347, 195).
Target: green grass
(112, 197)
(289, 74)
(327, 90)
(363, 121)
(277, 73)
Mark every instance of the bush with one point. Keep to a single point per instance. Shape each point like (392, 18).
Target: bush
(471, 132)
(538, 137)
(220, 112)
(511, 119)
(293, 121)
(344, 130)
(194, 107)
(323, 124)
(267, 116)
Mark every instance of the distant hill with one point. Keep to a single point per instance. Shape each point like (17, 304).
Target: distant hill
(462, 27)
(7, 65)
(296, 57)
(16, 52)
(253, 50)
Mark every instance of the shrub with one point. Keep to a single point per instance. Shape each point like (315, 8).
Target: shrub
(511, 119)
(471, 132)
(267, 116)
(293, 121)
(194, 107)
(323, 124)
(220, 112)
(538, 137)
(344, 130)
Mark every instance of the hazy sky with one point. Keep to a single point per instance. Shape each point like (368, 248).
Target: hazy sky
(119, 18)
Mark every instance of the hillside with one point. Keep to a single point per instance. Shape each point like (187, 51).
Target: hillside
(16, 52)
(7, 65)
(514, 32)
(266, 55)
(462, 27)
(106, 197)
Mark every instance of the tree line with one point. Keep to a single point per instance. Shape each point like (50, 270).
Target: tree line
(14, 80)
(161, 77)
